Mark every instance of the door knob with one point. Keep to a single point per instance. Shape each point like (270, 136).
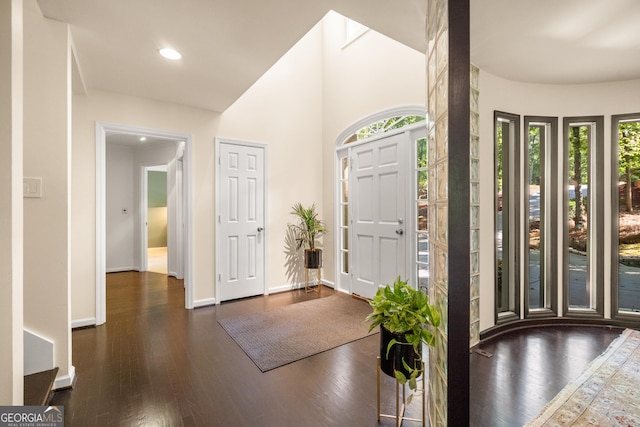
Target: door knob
(260, 229)
(400, 232)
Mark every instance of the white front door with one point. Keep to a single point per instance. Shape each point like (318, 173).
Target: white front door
(241, 221)
(379, 213)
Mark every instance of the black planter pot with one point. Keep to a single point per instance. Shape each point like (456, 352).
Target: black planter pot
(313, 258)
(397, 353)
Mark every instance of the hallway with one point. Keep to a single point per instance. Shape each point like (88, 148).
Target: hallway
(155, 363)
(157, 260)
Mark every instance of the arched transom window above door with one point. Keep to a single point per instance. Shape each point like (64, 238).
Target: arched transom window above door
(382, 126)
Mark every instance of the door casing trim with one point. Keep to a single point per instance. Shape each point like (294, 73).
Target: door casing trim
(100, 214)
(218, 207)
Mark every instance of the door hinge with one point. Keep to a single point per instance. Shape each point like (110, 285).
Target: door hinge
(219, 277)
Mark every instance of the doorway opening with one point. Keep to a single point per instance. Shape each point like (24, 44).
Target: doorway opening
(121, 209)
(156, 181)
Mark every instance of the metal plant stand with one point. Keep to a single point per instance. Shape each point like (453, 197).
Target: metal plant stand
(310, 287)
(401, 403)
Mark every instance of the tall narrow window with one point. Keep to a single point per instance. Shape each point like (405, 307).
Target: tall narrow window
(625, 210)
(507, 173)
(584, 214)
(540, 175)
(578, 216)
(353, 30)
(344, 214)
(422, 208)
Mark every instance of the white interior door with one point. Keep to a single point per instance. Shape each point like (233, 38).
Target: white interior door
(378, 202)
(175, 202)
(179, 223)
(241, 221)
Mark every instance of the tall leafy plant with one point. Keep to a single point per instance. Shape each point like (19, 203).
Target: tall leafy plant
(308, 227)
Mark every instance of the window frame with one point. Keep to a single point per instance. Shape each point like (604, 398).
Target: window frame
(548, 203)
(512, 181)
(616, 314)
(595, 213)
(416, 201)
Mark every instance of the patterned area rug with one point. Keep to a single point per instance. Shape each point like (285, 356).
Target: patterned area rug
(277, 337)
(606, 394)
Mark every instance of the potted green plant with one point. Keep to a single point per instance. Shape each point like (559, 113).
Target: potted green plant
(307, 230)
(406, 320)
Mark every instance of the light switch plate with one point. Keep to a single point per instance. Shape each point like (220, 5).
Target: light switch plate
(32, 187)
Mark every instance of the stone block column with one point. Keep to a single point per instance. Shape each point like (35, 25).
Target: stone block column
(448, 101)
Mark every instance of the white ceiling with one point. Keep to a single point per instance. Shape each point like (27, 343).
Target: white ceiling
(133, 140)
(228, 44)
(557, 41)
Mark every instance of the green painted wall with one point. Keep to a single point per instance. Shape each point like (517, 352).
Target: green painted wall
(157, 189)
(157, 213)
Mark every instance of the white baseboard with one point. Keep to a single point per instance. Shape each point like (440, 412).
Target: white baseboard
(328, 283)
(38, 353)
(81, 323)
(65, 381)
(174, 274)
(292, 287)
(204, 302)
(284, 288)
(121, 269)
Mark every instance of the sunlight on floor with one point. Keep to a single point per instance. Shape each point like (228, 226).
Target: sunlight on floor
(157, 260)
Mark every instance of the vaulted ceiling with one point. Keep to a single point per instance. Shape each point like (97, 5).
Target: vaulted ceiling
(228, 44)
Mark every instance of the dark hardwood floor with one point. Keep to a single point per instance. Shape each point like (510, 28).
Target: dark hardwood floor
(155, 363)
(528, 368)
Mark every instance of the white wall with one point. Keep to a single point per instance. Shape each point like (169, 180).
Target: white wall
(83, 206)
(137, 112)
(47, 155)
(540, 100)
(283, 109)
(301, 105)
(11, 243)
(297, 108)
(119, 195)
(123, 190)
(372, 74)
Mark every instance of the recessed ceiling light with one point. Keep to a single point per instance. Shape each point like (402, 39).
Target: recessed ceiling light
(143, 138)
(170, 54)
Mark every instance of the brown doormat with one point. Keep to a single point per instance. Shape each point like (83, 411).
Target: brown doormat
(278, 337)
